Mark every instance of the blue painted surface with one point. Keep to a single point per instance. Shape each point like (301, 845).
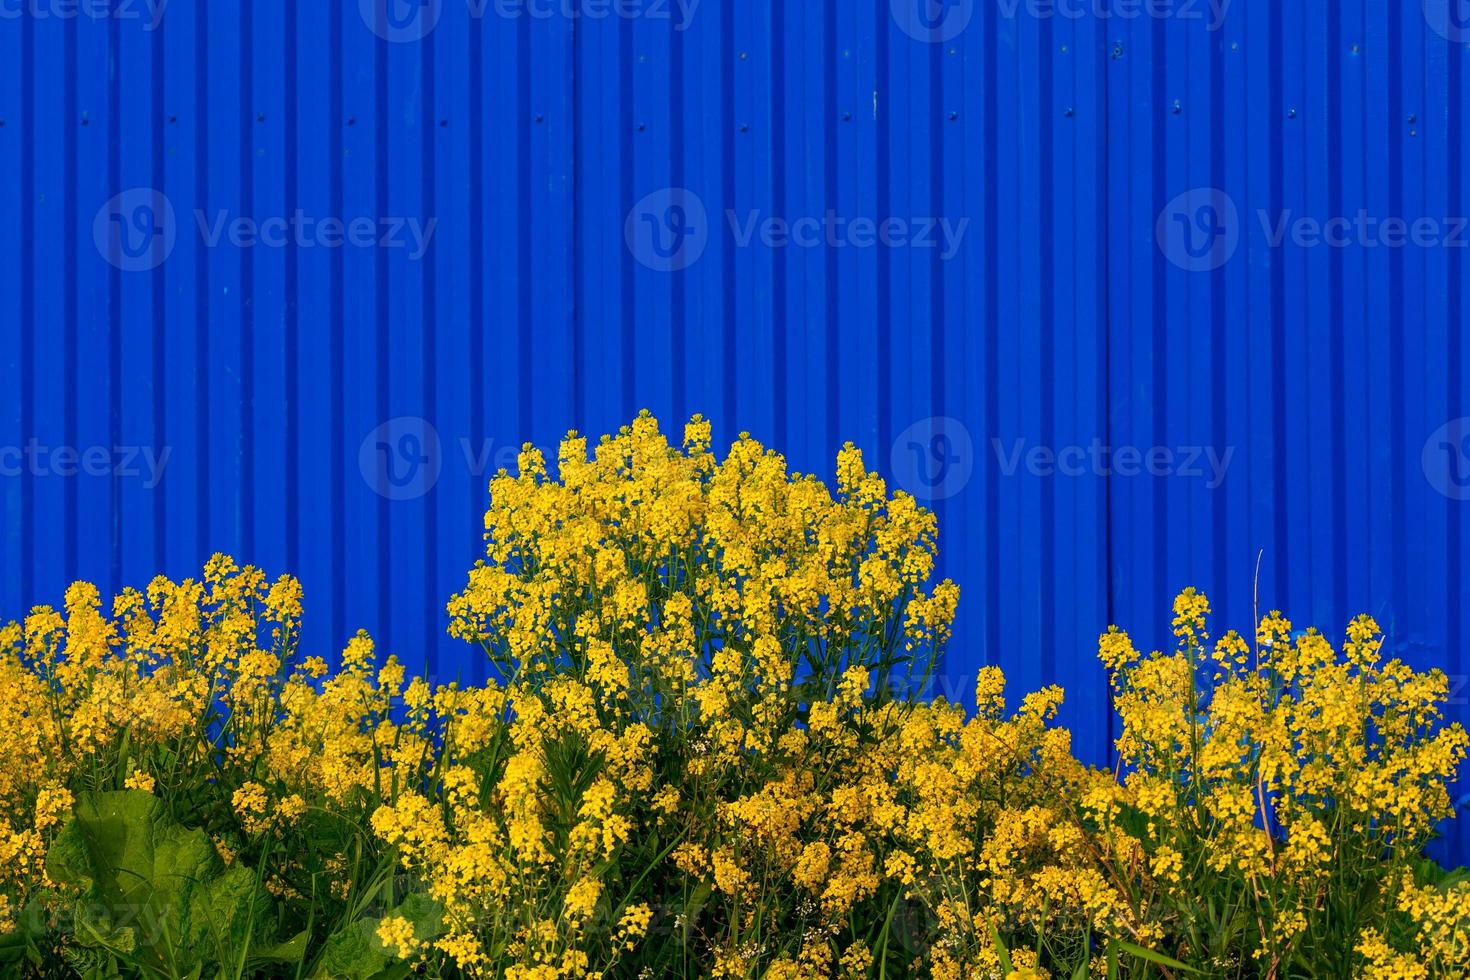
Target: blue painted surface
(1114, 185)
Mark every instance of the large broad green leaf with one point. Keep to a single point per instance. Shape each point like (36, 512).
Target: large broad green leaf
(354, 952)
(156, 894)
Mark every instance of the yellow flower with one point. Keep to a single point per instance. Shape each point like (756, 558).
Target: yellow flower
(51, 803)
(251, 802)
(139, 779)
(1190, 609)
(633, 925)
(581, 900)
(397, 934)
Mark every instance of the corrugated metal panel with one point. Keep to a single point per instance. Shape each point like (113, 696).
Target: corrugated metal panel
(338, 410)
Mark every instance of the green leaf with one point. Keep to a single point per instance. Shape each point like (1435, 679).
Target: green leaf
(155, 892)
(1156, 958)
(290, 951)
(354, 952)
(31, 926)
(1002, 953)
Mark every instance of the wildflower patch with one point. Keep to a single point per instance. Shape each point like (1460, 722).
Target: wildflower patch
(693, 761)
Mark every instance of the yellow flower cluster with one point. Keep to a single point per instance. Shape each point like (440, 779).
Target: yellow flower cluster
(683, 639)
(88, 699)
(707, 752)
(1291, 775)
(1440, 931)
